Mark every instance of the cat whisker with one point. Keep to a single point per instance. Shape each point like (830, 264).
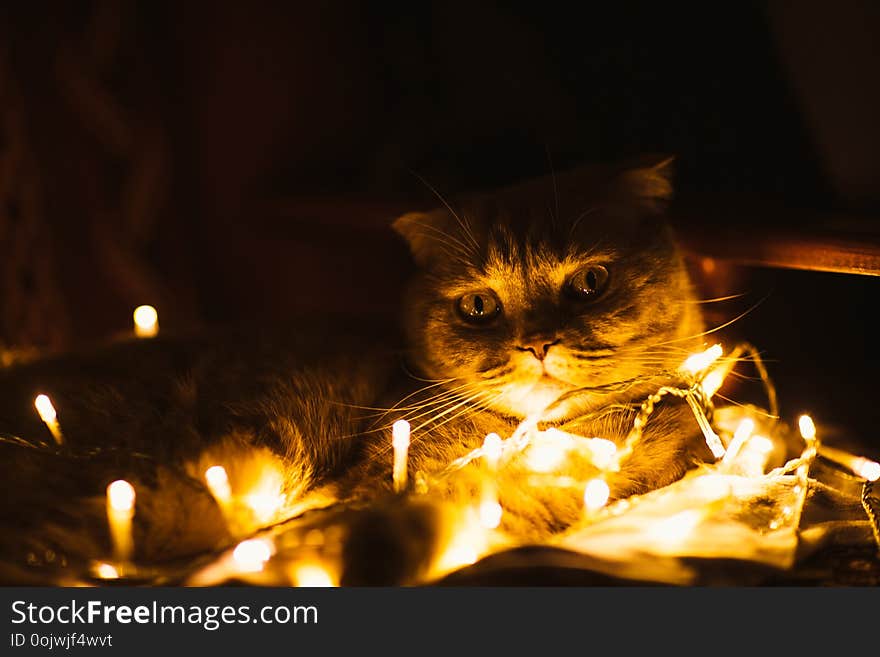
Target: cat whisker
(716, 299)
(441, 402)
(483, 403)
(415, 432)
(715, 329)
(464, 402)
(464, 226)
(433, 401)
(757, 411)
(447, 238)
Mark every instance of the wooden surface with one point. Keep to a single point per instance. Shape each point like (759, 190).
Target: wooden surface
(765, 234)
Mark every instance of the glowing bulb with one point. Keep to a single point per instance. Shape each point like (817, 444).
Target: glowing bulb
(596, 495)
(45, 408)
(264, 504)
(146, 322)
(753, 456)
(121, 496)
(808, 429)
(544, 458)
(490, 514)
(312, 575)
(760, 444)
(461, 551)
(120, 511)
(400, 441)
(740, 436)
(602, 452)
(712, 382)
(493, 447)
(49, 416)
(548, 449)
(106, 571)
(218, 484)
(860, 466)
(250, 556)
(699, 362)
(867, 469)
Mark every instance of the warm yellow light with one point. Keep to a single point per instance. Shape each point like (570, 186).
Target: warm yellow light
(459, 553)
(218, 484)
(544, 457)
(490, 514)
(106, 571)
(596, 494)
(45, 408)
(400, 434)
(675, 528)
(400, 441)
(493, 447)
(602, 452)
(740, 436)
(312, 575)
(699, 362)
(250, 556)
(264, 504)
(49, 416)
(860, 466)
(265, 497)
(867, 469)
(121, 496)
(760, 444)
(753, 456)
(807, 428)
(120, 512)
(712, 382)
(146, 322)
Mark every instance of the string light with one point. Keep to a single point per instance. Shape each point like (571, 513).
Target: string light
(218, 484)
(120, 512)
(700, 362)
(596, 495)
(548, 450)
(859, 465)
(400, 442)
(603, 452)
(740, 436)
(251, 556)
(754, 455)
(712, 382)
(490, 514)
(106, 570)
(540, 451)
(146, 322)
(493, 448)
(807, 427)
(49, 416)
(312, 575)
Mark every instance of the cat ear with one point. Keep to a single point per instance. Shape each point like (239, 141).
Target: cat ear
(424, 233)
(648, 181)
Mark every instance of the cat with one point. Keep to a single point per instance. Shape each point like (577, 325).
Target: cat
(565, 299)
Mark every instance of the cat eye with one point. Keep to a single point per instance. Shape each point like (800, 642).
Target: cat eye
(588, 283)
(478, 307)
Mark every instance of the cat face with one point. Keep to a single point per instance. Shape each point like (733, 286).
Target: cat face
(532, 293)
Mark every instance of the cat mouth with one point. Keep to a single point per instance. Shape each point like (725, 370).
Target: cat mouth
(547, 379)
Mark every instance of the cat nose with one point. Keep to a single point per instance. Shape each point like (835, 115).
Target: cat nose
(538, 346)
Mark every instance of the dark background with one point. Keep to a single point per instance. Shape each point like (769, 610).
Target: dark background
(240, 162)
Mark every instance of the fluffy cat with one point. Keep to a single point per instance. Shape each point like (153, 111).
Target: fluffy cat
(565, 298)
